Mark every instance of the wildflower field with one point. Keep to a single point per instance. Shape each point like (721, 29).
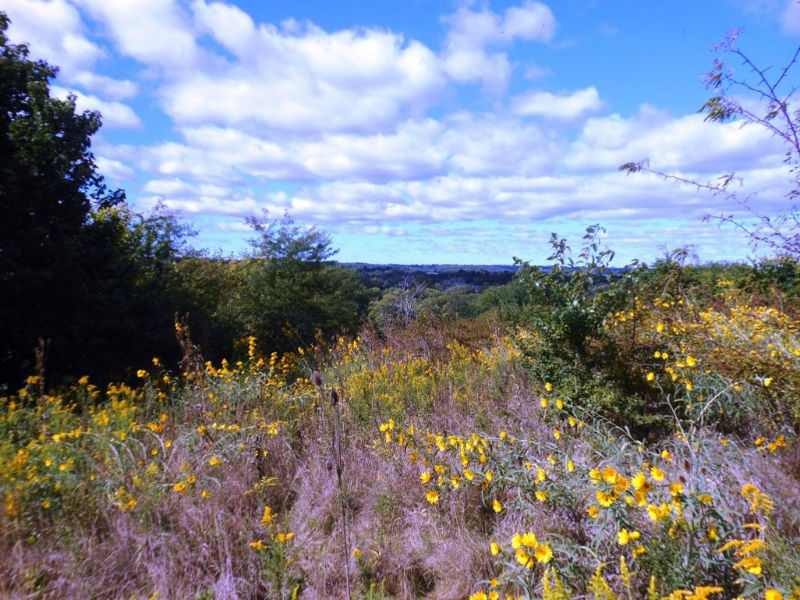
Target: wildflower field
(428, 460)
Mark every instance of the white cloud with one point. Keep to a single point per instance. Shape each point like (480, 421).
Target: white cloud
(54, 32)
(115, 89)
(790, 21)
(489, 144)
(685, 143)
(464, 143)
(303, 79)
(563, 107)
(114, 170)
(336, 126)
(471, 32)
(154, 32)
(116, 115)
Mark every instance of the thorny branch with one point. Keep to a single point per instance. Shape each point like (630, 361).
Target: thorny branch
(780, 233)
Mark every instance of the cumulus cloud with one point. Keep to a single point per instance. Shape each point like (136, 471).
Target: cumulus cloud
(108, 87)
(114, 170)
(562, 107)
(154, 32)
(116, 115)
(347, 128)
(54, 31)
(302, 79)
(465, 54)
(682, 143)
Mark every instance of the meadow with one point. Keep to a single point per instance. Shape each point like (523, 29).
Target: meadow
(438, 458)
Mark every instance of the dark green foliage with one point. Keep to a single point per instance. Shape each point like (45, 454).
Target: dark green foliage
(774, 279)
(568, 302)
(77, 267)
(285, 293)
(47, 183)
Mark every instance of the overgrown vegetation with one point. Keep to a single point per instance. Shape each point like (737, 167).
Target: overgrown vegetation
(431, 460)
(579, 432)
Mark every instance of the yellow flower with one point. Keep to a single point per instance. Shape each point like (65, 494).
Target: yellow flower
(494, 548)
(214, 461)
(593, 511)
(729, 545)
(690, 361)
(524, 558)
(205, 494)
(258, 545)
(425, 476)
(179, 487)
(559, 404)
(768, 381)
(751, 546)
(356, 553)
(570, 466)
(468, 474)
(657, 474)
(543, 553)
(651, 376)
(548, 386)
(285, 537)
(640, 482)
(623, 537)
(496, 506)
(541, 496)
(609, 475)
(141, 373)
(773, 594)
(488, 475)
(543, 402)
(432, 496)
(556, 434)
(751, 564)
(267, 516)
(479, 596)
(659, 327)
(604, 499)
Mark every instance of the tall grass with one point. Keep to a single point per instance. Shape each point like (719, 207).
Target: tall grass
(442, 470)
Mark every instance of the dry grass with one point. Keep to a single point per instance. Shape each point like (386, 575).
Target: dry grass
(272, 436)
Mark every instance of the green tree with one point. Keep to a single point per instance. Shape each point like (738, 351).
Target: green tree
(78, 267)
(48, 181)
(288, 290)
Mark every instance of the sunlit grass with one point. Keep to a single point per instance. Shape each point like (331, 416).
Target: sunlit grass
(459, 475)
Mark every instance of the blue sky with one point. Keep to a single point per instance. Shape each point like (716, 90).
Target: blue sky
(416, 131)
